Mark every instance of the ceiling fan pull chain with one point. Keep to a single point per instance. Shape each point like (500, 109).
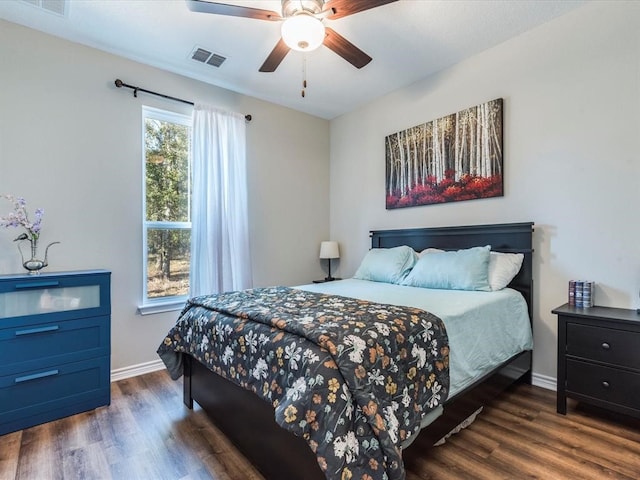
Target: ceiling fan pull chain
(304, 74)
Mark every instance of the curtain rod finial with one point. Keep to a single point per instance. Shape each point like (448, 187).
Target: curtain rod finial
(118, 83)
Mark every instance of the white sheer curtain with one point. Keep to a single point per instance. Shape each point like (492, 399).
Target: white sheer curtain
(220, 258)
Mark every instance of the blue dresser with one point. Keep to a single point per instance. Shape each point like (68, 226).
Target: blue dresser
(55, 346)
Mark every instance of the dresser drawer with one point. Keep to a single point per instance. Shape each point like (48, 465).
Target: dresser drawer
(53, 297)
(35, 392)
(607, 345)
(604, 383)
(37, 346)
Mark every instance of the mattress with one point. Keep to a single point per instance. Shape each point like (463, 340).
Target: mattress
(485, 329)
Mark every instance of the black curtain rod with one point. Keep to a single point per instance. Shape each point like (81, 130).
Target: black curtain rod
(119, 83)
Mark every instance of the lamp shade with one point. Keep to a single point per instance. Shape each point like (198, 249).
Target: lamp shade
(329, 250)
(303, 32)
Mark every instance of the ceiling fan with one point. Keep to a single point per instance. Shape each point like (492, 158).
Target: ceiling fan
(302, 28)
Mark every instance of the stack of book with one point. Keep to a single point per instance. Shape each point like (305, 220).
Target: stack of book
(581, 293)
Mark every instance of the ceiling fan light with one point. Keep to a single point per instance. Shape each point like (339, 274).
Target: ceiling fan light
(303, 32)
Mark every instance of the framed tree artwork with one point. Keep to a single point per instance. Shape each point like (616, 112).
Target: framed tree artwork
(450, 159)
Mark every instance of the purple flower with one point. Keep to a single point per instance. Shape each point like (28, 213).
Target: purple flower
(19, 218)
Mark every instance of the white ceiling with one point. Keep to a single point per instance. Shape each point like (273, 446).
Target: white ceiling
(408, 40)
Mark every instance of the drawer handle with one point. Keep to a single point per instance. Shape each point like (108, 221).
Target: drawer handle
(49, 283)
(31, 331)
(605, 384)
(35, 376)
(606, 346)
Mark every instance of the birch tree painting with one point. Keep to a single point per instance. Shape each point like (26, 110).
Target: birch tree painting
(453, 158)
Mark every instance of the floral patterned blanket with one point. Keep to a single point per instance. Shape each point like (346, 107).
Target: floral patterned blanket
(353, 378)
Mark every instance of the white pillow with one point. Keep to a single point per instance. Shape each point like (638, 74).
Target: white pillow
(503, 267)
(429, 250)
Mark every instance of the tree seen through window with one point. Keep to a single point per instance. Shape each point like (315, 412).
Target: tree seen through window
(167, 205)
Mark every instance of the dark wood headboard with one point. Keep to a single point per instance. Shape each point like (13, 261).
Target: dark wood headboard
(505, 237)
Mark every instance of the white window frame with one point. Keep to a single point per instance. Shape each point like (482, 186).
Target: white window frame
(176, 302)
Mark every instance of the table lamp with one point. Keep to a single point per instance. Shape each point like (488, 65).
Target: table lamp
(329, 250)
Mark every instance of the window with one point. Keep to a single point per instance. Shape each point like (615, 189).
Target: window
(166, 206)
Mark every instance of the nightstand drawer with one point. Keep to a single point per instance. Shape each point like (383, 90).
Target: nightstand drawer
(603, 383)
(32, 393)
(606, 345)
(37, 346)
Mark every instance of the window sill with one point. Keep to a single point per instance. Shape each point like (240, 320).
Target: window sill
(161, 307)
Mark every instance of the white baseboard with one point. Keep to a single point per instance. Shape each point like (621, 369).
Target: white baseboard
(544, 381)
(135, 370)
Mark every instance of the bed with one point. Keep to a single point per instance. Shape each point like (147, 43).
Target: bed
(249, 421)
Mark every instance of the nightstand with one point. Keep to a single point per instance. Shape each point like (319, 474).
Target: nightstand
(324, 280)
(599, 358)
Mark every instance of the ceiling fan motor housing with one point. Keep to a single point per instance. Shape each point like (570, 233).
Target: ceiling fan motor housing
(292, 7)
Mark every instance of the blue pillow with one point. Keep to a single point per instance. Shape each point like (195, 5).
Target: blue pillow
(389, 265)
(466, 269)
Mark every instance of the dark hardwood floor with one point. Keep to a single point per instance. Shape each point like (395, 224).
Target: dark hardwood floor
(147, 433)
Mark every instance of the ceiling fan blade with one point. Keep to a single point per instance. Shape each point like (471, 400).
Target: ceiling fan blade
(203, 6)
(345, 48)
(342, 8)
(275, 57)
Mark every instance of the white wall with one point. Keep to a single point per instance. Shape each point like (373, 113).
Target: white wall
(70, 142)
(571, 92)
